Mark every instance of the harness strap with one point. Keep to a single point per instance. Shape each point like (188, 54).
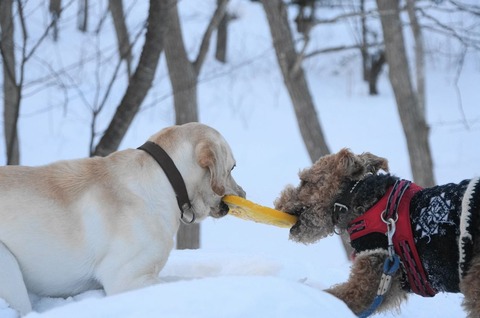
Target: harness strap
(399, 197)
(399, 188)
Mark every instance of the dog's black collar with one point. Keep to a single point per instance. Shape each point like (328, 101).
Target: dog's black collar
(344, 202)
(173, 176)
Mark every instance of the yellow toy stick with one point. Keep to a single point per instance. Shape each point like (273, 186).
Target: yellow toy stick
(247, 210)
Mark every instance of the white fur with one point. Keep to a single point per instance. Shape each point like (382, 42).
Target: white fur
(102, 222)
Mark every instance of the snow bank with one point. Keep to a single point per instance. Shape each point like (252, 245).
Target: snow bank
(237, 296)
(202, 284)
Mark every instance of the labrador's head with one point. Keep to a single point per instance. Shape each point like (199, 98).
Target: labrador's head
(205, 161)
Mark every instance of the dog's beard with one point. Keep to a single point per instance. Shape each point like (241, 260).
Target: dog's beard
(288, 202)
(311, 226)
(298, 211)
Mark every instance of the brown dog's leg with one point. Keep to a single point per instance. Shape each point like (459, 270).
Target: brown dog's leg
(362, 285)
(470, 287)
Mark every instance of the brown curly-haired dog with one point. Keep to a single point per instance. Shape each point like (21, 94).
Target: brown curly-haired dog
(436, 238)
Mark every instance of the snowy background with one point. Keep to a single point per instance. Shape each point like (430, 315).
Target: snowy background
(244, 269)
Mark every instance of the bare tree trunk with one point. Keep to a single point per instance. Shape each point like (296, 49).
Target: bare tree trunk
(55, 8)
(294, 79)
(82, 16)
(297, 87)
(411, 116)
(11, 91)
(372, 63)
(188, 237)
(141, 80)
(184, 76)
(184, 84)
(376, 64)
(419, 55)
(222, 34)
(124, 47)
(364, 45)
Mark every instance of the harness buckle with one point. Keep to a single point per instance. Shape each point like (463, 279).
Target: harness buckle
(340, 207)
(337, 209)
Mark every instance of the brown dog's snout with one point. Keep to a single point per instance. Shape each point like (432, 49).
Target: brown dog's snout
(286, 201)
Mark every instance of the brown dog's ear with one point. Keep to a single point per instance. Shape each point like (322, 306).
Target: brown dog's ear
(207, 158)
(374, 163)
(349, 164)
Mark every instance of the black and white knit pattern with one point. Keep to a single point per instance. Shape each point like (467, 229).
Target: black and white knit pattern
(435, 215)
(468, 221)
(445, 223)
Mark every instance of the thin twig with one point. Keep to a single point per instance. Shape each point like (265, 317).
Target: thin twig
(214, 22)
(458, 92)
(341, 48)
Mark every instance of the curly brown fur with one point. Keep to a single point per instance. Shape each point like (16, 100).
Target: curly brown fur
(470, 287)
(312, 201)
(361, 288)
(332, 179)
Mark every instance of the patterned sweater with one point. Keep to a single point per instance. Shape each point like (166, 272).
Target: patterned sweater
(445, 223)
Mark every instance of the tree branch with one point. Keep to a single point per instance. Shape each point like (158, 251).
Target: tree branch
(123, 41)
(214, 22)
(340, 48)
(141, 80)
(346, 16)
(457, 88)
(300, 57)
(470, 39)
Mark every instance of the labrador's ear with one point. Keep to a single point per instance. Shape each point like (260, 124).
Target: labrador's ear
(208, 156)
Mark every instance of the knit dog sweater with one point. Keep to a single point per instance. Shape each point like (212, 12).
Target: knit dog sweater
(445, 221)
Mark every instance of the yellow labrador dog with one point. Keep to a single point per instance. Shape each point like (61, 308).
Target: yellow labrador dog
(106, 222)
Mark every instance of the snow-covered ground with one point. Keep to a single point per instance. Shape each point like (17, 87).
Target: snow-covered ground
(244, 269)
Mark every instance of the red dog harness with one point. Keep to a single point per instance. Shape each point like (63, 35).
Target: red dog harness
(395, 204)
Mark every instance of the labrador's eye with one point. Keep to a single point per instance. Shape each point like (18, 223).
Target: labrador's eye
(233, 167)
